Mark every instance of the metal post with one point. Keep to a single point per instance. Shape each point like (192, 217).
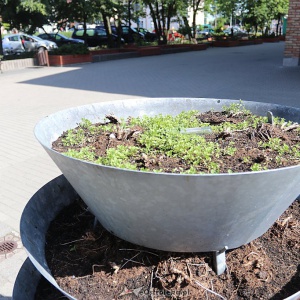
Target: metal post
(1, 47)
(219, 261)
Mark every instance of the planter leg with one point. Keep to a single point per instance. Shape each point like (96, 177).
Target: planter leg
(95, 222)
(219, 261)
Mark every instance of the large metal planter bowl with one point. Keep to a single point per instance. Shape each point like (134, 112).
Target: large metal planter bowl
(173, 212)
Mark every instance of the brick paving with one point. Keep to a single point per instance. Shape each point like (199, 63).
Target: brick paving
(252, 73)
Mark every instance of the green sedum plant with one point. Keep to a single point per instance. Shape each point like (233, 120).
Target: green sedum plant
(166, 137)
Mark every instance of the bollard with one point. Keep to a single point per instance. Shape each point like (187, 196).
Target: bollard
(43, 58)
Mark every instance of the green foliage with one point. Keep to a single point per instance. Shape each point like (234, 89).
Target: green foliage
(259, 14)
(73, 49)
(218, 36)
(281, 121)
(230, 150)
(276, 144)
(84, 154)
(236, 108)
(25, 14)
(227, 7)
(85, 123)
(246, 160)
(257, 167)
(120, 157)
(162, 12)
(167, 135)
(184, 30)
(74, 137)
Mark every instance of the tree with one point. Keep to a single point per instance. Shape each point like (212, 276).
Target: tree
(228, 8)
(83, 11)
(26, 14)
(183, 12)
(260, 13)
(254, 14)
(161, 12)
(72, 10)
(278, 9)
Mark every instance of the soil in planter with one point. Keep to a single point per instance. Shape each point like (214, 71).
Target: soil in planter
(230, 141)
(90, 263)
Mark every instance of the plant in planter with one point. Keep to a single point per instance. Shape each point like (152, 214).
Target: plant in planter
(70, 54)
(175, 212)
(189, 143)
(70, 49)
(224, 40)
(256, 39)
(270, 38)
(219, 36)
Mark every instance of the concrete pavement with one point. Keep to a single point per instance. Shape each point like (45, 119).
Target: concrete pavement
(253, 73)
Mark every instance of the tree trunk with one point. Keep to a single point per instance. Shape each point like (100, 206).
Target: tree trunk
(107, 28)
(186, 24)
(196, 5)
(153, 15)
(129, 13)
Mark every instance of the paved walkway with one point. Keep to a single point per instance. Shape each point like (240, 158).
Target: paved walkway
(252, 73)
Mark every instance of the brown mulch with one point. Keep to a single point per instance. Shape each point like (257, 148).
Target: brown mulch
(90, 263)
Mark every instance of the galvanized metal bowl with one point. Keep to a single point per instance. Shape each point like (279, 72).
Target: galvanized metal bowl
(174, 212)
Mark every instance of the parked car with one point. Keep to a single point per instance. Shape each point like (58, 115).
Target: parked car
(149, 36)
(21, 42)
(7, 48)
(94, 36)
(130, 35)
(237, 32)
(205, 33)
(59, 39)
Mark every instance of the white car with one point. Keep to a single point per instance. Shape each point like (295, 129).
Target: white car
(21, 42)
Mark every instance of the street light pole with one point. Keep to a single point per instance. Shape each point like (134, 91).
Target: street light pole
(1, 47)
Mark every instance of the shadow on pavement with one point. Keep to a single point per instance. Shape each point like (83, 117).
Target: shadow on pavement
(253, 73)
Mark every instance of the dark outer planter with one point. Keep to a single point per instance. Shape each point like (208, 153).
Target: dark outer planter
(26, 282)
(40, 210)
(37, 215)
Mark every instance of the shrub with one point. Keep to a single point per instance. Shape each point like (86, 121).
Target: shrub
(70, 49)
(219, 36)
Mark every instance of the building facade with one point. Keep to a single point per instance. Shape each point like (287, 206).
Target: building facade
(292, 39)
